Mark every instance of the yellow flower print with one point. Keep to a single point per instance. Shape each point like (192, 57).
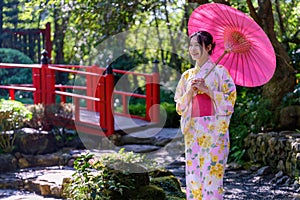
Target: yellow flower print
(216, 83)
(217, 171)
(220, 190)
(200, 141)
(222, 146)
(197, 193)
(220, 175)
(192, 123)
(213, 171)
(219, 97)
(211, 127)
(201, 161)
(207, 141)
(232, 97)
(188, 138)
(193, 182)
(215, 158)
(189, 163)
(223, 126)
(186, 76)
(225, 88)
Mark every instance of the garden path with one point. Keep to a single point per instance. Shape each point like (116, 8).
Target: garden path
(254, 184)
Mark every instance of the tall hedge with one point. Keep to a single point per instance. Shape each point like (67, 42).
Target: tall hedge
(14, 75)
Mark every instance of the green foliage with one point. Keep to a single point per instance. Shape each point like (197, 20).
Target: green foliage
(252, 114)
(13, 115)
(96, 179)
(54, 115)
(292, 98)
(14, 75)
(137, 109)
(173, 119)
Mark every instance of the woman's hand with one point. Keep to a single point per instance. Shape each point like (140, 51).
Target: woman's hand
(199, 86)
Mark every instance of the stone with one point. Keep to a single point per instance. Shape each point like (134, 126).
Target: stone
(280, 166)
(45, 190)
(23, 163)
(31, 141)
(290, 117)
(7, 162)
(279, 174)
(264, 171)
(282, 180)
(140, 148)
(56, 191)
(39, 160)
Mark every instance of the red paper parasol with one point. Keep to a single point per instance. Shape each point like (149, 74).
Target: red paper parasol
(241, 45)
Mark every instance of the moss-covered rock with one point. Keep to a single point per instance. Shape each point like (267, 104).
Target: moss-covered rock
(170, 185)
(149, 192)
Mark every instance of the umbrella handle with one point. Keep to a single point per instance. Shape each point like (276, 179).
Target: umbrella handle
(217, 62)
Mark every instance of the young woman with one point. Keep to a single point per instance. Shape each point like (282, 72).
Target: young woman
(205, 98)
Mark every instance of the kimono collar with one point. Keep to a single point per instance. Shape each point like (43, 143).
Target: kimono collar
(208, 63)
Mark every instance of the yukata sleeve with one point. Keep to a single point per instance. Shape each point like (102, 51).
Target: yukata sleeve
(225, 97)
(181, 97)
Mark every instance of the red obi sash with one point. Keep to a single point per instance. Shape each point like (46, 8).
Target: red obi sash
(202, 105)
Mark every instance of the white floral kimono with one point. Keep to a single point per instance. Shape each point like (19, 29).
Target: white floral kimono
(206, 137)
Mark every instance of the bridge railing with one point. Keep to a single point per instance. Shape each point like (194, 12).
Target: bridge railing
(98, 93)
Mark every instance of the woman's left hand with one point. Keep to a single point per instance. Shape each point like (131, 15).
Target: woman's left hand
(199, 85)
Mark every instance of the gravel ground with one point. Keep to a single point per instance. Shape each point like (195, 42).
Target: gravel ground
(249, 185)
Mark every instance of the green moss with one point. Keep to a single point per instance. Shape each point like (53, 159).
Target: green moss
(170, 185)
(149, 192)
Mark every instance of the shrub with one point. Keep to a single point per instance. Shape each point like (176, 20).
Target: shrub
(137, 109)
(99, 178)
(292, 98)
(13, 115)
(54, 115)
(252, 114)
(14, 75)
(173, 119)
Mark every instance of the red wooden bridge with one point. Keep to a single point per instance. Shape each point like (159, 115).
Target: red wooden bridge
(98, 115)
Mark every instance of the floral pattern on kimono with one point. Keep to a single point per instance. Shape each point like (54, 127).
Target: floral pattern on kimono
(207, 137)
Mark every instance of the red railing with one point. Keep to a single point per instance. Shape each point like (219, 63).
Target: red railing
(99, 91)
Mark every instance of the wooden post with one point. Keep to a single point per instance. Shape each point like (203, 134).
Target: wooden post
(47, 81)
(102, 108)
(11, 94)
(109, 89)
(37, 84)
(155, 111)
(148, 97)
(90, 85)
(153, 95)
(109, 104)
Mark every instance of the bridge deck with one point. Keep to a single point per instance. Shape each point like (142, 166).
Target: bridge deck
(122, 123)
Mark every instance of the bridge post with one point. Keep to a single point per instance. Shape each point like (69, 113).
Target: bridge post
(47, 81)
(153, 95)
(105, 90)
(109, 89)
(155, 111)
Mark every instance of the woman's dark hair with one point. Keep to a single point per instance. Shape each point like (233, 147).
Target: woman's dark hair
(206, 38)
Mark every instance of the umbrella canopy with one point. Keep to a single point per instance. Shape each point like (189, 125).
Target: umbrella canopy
(241, 45)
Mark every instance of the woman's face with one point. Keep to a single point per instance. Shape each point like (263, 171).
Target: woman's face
(196, 50)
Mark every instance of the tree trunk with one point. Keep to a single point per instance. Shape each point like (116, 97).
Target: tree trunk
(1, 21)
(283, 80)
(59, 35)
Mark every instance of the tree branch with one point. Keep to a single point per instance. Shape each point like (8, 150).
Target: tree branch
(253, 13)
